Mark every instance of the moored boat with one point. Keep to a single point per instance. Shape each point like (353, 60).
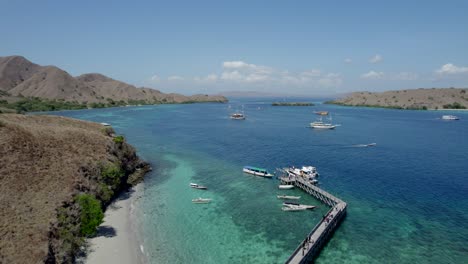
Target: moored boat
(285, 187)
(293, 205)
(288, 197)
(196, 186)
(257, 171)
(322, 113)
(319, 124)
(201, 200)
(293, 209)
(305, 171)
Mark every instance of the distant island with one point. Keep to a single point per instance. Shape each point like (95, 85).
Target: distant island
(57, 176)
(414, 99)
(292, 104)
(26, 86)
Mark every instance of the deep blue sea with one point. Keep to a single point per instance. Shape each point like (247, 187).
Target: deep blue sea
(407, 197)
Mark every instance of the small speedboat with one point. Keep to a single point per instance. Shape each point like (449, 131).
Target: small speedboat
(257, 171)
(288, 197)
(294, 205)
(201, 200)
(196, 186)
(238, 116)
(293, 209)
(450, 117)
(285, 187)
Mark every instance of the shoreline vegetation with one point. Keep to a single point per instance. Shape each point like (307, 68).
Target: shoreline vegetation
(292, 104)
(417, 99)
(78, 169)
(36, 104)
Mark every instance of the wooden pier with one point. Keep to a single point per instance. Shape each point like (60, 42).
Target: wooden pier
(310, 247)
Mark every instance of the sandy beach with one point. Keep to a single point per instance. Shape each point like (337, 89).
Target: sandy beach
(116, 241)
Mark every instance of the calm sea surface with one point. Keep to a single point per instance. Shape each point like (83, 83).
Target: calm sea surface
(407, 197)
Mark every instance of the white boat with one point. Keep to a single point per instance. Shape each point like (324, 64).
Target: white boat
(294, 205)
(450, 117)
(305, 171)
(238, 116)
(285, 187)
(308, 173)
(288, 197)
(319, 124)
(293, 209)
(196, 186)
(257, 171)
(201, 200)
(321, 113)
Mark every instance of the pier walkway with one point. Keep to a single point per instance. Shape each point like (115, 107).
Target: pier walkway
(310, 247)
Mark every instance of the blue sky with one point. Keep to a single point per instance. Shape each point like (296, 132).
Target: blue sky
(294, 47)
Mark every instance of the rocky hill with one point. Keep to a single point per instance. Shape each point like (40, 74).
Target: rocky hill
(435, 98)
(47, 166)
(22, 78)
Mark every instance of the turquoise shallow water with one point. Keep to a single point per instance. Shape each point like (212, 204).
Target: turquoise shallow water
(407, 196)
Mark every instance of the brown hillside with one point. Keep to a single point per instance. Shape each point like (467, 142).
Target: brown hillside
(14, 70)
(20, 77)
(44, 162)
(435, 98)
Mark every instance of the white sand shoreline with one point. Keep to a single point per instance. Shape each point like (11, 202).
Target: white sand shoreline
(117, 240)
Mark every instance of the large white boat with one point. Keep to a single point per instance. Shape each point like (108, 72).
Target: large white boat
(238, 116)
(288, 197)
(319, 124)
(294, 205)
(285, 187)
(257, 171)
(450, 117)
(305, 171)
(308, 173)
(196, 186)
(201, 200)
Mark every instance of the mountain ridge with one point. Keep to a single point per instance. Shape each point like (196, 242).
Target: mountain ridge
(20, 77)
(415, 99)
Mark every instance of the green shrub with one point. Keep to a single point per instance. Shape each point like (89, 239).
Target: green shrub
(91, 214)
(105, 193)
(119, 139)
(455, 105)
(111, 174)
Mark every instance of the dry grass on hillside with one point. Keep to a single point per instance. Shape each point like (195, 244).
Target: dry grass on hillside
(40, 160)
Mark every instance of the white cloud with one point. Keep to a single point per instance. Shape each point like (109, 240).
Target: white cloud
(175, 78)
(155, 78)
(330, 80)
(372, 75)
(348, 60)
(406, 76)
(450, 68)
(376, 58)
(311, 73)
(208, 78)
(242, 72)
